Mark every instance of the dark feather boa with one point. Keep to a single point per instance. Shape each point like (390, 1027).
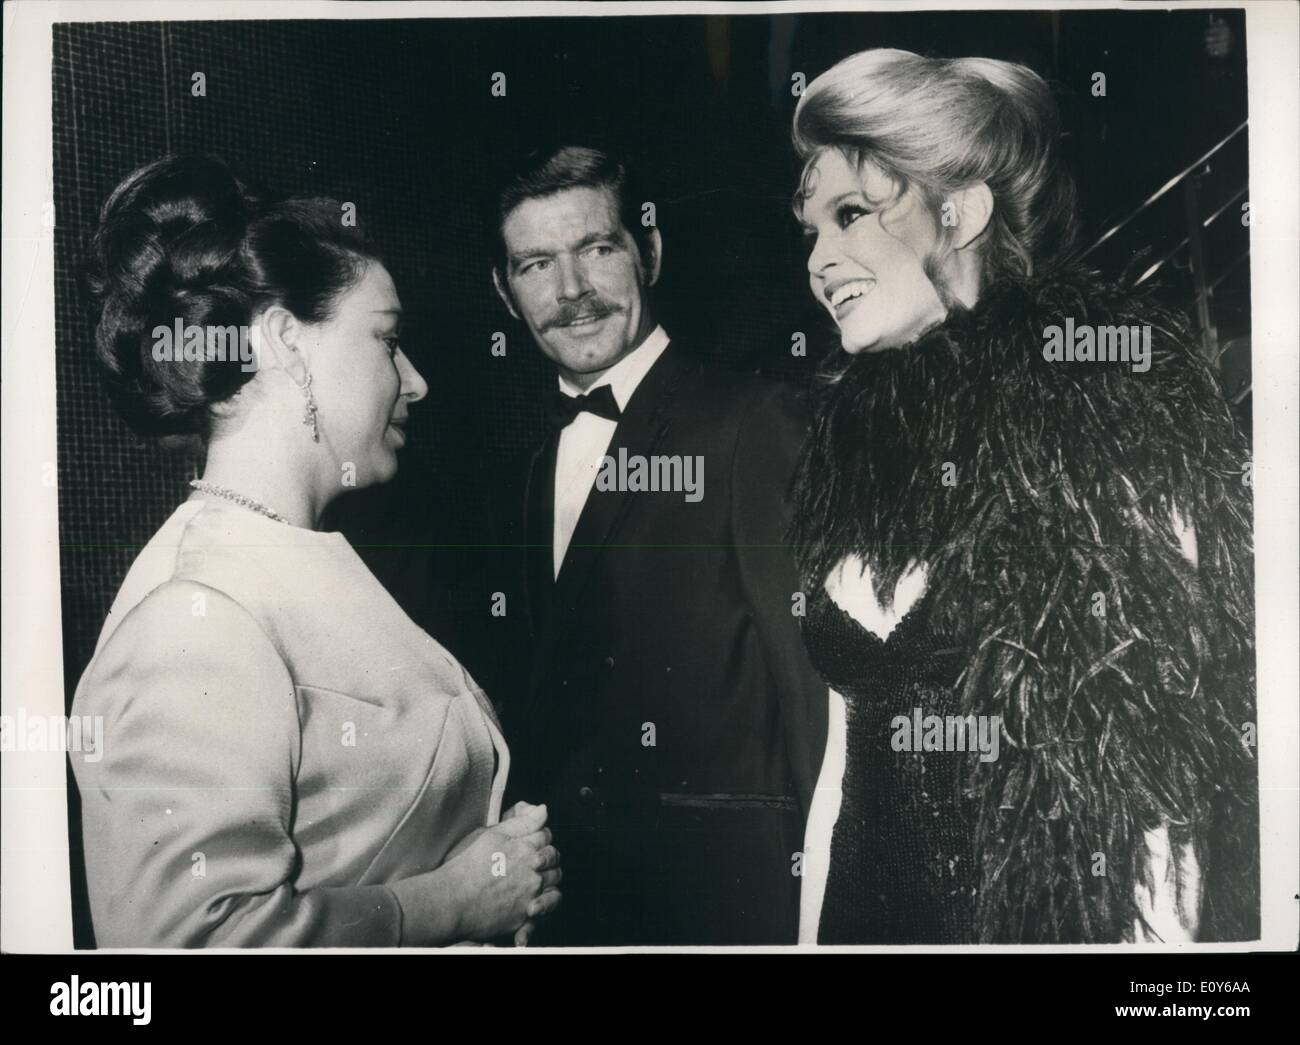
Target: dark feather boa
(1068, 476)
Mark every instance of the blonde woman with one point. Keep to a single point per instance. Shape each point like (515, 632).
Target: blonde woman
(1029, 567)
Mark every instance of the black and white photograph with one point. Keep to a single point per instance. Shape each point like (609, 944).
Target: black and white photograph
(574, 477)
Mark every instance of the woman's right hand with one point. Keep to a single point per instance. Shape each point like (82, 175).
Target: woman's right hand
(505, 876)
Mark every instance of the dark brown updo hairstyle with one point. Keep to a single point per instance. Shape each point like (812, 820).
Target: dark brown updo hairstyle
(183, 239)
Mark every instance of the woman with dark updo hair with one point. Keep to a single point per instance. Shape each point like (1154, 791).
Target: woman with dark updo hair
(1028, 565)
(288, 760)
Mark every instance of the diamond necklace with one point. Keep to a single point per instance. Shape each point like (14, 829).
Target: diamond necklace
(239, 499)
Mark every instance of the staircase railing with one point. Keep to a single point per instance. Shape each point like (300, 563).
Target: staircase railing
(1204, 284)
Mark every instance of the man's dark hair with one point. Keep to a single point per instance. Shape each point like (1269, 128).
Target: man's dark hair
(547, 171)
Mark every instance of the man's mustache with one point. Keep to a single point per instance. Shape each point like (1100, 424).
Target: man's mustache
(590, 310)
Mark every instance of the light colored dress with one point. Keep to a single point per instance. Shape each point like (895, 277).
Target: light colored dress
(281, 742)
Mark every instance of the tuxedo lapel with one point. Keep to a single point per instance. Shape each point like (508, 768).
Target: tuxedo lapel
(539, 527)
(640, 430)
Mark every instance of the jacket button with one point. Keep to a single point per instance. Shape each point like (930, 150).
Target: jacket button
(585, 793)
(609, 662)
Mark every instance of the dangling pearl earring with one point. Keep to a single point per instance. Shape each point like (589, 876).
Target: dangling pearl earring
(309, 415)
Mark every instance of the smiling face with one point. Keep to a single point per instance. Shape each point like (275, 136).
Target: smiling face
(869, 247)
(576, 279)
(362, 381)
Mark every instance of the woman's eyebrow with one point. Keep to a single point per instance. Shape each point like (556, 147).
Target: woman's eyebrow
(829, 207)
(855, 194)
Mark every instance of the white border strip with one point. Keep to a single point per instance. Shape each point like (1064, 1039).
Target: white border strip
(35, 910)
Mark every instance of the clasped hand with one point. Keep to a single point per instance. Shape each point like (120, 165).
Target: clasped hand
(517, 870)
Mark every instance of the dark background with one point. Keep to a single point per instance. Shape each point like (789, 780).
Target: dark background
(398, 117)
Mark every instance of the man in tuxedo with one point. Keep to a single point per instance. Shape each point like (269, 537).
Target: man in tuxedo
(669, 717)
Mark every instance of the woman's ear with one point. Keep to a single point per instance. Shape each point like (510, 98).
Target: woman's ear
(278, 336)
(974, 207)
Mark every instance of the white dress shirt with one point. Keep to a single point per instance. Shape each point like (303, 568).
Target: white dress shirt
(585, 441)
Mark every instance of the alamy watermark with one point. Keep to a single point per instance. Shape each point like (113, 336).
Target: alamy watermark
(93, 998)
(1085, 343)
(920, 732)
(638, 473)
(189, 343)
(80, 733)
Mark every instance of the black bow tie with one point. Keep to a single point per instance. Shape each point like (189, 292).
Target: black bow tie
(561, 409)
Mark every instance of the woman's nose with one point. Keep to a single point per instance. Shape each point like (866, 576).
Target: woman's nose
(413, 386)
(821, 256)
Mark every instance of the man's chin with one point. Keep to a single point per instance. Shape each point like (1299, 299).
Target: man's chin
(587, 357)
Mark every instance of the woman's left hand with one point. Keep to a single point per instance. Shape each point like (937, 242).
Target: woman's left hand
(549, 898)
(546, 903)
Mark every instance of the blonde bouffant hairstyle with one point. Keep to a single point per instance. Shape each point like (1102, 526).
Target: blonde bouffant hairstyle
(938, 125)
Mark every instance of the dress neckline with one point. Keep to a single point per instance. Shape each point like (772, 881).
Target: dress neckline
(907, 623)
(285, 533)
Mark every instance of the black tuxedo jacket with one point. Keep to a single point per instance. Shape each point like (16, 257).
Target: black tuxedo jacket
(666, 711)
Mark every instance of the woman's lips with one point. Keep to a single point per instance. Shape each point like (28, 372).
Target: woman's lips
(846, 296)
(398, 428)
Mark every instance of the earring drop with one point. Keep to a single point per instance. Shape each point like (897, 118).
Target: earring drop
(309, 415)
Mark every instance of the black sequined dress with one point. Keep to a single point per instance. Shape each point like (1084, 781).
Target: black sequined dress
(901, 863)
